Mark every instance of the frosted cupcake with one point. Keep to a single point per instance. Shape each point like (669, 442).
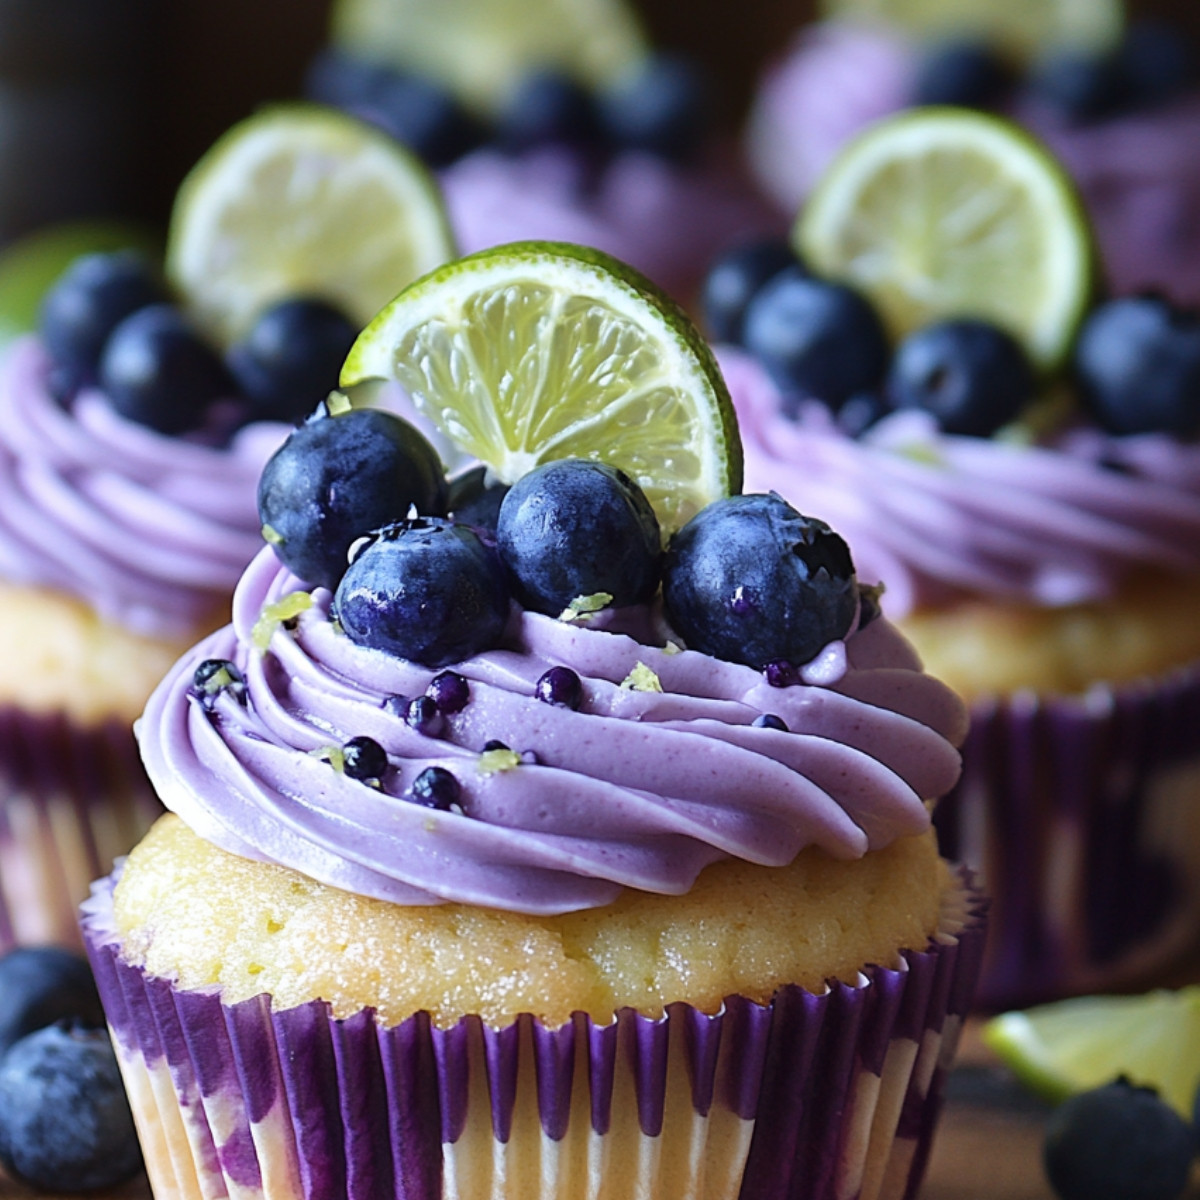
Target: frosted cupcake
(749, 964)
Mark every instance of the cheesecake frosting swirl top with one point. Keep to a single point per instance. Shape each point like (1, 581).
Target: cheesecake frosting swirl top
(637, 788)
(150, 531)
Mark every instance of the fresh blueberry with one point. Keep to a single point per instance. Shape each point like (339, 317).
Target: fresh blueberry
(449, 691)
(735, 279)
(965, 74)
(436, 788)
(65, 1123)
(216, 675)
(1081, 86)
(475, 502)
(1137, 361)
(1158, 61)
(972, 376)
(1118, 1142)
(750, 580)
(426, 590)
(561, 687)
(158, 371)
(343, 80)
(661, 107)
(88, 301)
(424, 716)
(43, 984)
(425, 117)
(291, 358)
(547, 107)
(336, 479)
(364, 758)
(817, 339)
(770, 721)
(577, 528)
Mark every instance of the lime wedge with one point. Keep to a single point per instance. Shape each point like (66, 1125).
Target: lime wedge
(1072, 1045)
(302, 200)
(481, 49)
(1023, 28)
(536, 351)
(942, 212)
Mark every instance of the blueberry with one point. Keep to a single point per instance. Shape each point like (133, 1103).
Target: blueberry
(1158, 62)
(475, 502)
(750, 580)
(1137, 362)
(561, 687)
(43, 984)
(966, 74)
(1118, 1142)
(734, 280)
(216, 675)
(291, 358)
(425, 117)
(65, 1123)
(424, 716)
(425, 590)
(158, 371)
(576, 528)
(770, 721)
(661, 107)
(973, 377)
(88, 301)
(336, 479)
(449, 691)
(364, 758)
(436, 788)
(818, 339)
(547, 107)
(1082, 86)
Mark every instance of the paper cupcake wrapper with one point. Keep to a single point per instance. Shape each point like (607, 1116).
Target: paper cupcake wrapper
(1082, 815)
(72, 800)
(809, 1097)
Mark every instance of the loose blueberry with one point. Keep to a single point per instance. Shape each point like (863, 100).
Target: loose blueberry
(65, 1123)
(965, 74)
(973, 377)
(735, 279)
(769, 721)
(661, 107)
(561, 687)
(216, 675)
(364, 758)
(158, 371)
(449, 691)
(424, 716)
(336, 479)
(1082, 86)
(1137, 362)
(436, 788)
(750, 580)
(43, 984)
(816, 339)
(547, 107)
(425, 117)
(577, 528)
(425, 590)
(1118, 1142)
(88, 301)
(1158, 62)
(291, 358)
(475, 502)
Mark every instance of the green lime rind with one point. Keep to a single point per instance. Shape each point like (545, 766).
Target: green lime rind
(302, 200)
(535, 351)
(942, 212)
(1072, 1045)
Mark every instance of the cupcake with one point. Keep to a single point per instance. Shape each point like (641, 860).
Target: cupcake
(1123, 119)
(585, 874)
(1038, 532)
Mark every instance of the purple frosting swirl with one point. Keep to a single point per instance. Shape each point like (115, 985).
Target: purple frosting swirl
(151, 531)
(634, 789)
(935, 514)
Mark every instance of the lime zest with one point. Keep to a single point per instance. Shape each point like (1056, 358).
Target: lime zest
(335, 756)
(274, 615)
(337, 403)
(584, 607)
(672, 648)
(642, 679)
(490, 762)
(272, 536)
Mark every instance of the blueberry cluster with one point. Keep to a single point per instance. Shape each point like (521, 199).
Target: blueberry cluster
(1153, 64)
(111, 320)
(660, 108)
(65, 1124)
(825, 341)
(1120, 1142)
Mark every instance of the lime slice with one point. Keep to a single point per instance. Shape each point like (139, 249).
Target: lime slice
(302, 200)
(537, 351)
(481, 49)
(941, 212)
(1072, 1045)
(1023, 27)
(28, 267)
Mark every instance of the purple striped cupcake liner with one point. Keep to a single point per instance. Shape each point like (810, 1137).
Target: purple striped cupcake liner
(830, 1096)
(1082, 815)
(72, 800)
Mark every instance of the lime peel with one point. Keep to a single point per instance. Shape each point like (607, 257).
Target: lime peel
(274, 615)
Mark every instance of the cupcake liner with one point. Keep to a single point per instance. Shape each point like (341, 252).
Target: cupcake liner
(810, 1097)
(72, 799)
(1082, 815)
